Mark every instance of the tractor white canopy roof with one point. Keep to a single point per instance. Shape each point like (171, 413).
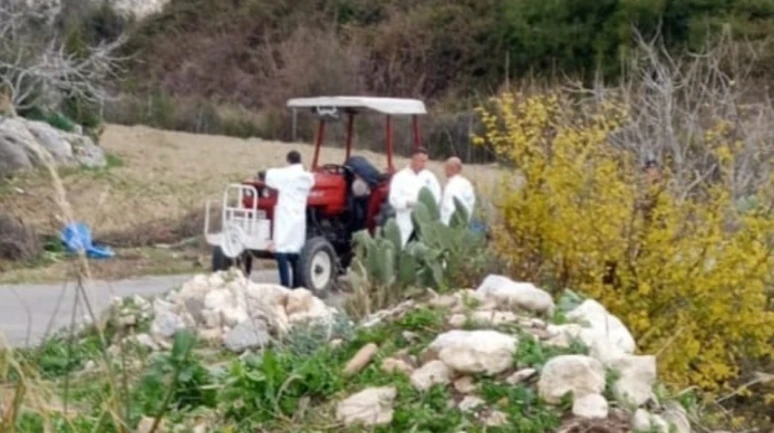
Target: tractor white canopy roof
(389, 106)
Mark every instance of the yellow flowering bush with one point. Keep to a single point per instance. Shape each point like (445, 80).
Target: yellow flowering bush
(685, 272)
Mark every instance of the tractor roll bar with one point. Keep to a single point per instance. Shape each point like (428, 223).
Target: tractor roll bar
(318, 141)
(390, 167)
(350, 123)
(389, 135)
(417, 133)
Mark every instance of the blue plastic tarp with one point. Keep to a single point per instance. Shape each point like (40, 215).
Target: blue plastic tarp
(76, 237)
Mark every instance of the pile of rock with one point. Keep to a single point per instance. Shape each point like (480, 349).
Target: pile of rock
(455, 357)
(227, 308)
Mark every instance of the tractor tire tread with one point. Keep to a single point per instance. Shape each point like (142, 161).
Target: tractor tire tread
(304, 272)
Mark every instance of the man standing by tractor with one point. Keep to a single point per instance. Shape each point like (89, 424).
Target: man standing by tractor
(404, 191)
(293, 184)
(456, 187)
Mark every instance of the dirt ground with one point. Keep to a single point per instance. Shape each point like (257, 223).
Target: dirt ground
(160, 176)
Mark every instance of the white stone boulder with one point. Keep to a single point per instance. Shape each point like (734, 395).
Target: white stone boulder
(250, 334)
(479, 351)
(397, 365)
(166, 321)
(521, 376)
(526, 296)
(577, 374)
(637, 374)
(644, 421)
(591, 406)
(432, 373)
(302, 307)
(598, 319)
(372, 406)
(25, 143)
(470, 402)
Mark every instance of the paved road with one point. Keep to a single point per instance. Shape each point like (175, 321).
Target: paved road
(29, 312)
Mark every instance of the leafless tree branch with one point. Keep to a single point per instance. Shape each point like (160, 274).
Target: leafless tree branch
(37, 70)
(673, 101)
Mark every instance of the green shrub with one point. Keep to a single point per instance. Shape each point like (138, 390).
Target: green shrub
(53, 118)
(262, 388)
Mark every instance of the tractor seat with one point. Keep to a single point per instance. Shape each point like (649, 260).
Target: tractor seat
(362, 168)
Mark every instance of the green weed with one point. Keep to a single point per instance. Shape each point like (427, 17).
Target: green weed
(176, 380)
(425, 412)
(262, 388)
(532, 354)
(526, 413)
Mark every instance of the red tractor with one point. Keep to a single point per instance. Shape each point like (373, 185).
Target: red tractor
(346, 198)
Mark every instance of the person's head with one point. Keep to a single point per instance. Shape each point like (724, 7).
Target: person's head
(453, 166)
(651, 170)
(293, 157)
(419, 159)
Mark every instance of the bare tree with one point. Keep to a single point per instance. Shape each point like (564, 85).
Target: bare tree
(37, 70)
(673, 101)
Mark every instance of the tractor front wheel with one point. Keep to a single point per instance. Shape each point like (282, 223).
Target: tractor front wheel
(317, 266)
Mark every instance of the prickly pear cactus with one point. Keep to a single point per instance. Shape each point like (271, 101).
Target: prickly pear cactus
(429, 261)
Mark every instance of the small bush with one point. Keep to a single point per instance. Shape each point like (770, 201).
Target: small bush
(53, 118)
(687, 273)
(18, 241)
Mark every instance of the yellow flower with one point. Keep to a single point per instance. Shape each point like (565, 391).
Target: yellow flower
(688, 288)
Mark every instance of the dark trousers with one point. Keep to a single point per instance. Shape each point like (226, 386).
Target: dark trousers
(286, 263)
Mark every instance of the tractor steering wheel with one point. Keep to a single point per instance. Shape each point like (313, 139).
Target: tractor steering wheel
(333, 168)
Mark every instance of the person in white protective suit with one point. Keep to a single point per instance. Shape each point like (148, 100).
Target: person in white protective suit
(456, 187)
(405, 186)
(293, 184)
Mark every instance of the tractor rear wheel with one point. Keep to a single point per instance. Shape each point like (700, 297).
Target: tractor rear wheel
(317, 266)
(219, 260)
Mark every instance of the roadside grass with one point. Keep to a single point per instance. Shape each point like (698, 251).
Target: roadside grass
(129, 262)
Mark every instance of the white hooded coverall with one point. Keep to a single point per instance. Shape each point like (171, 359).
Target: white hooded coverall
(460, 188)
(404, 188)
(293, 185)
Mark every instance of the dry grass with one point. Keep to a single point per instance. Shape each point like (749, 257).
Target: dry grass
(17, 240)
(130, 262)
(164, 175)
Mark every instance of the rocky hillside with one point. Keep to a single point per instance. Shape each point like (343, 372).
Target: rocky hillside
(130, 9)
(227, 67)
(501, 358)
(27, 144)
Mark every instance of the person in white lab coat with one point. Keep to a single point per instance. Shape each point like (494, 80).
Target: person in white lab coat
(456, 187)
(404, 191)
(293, 184)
